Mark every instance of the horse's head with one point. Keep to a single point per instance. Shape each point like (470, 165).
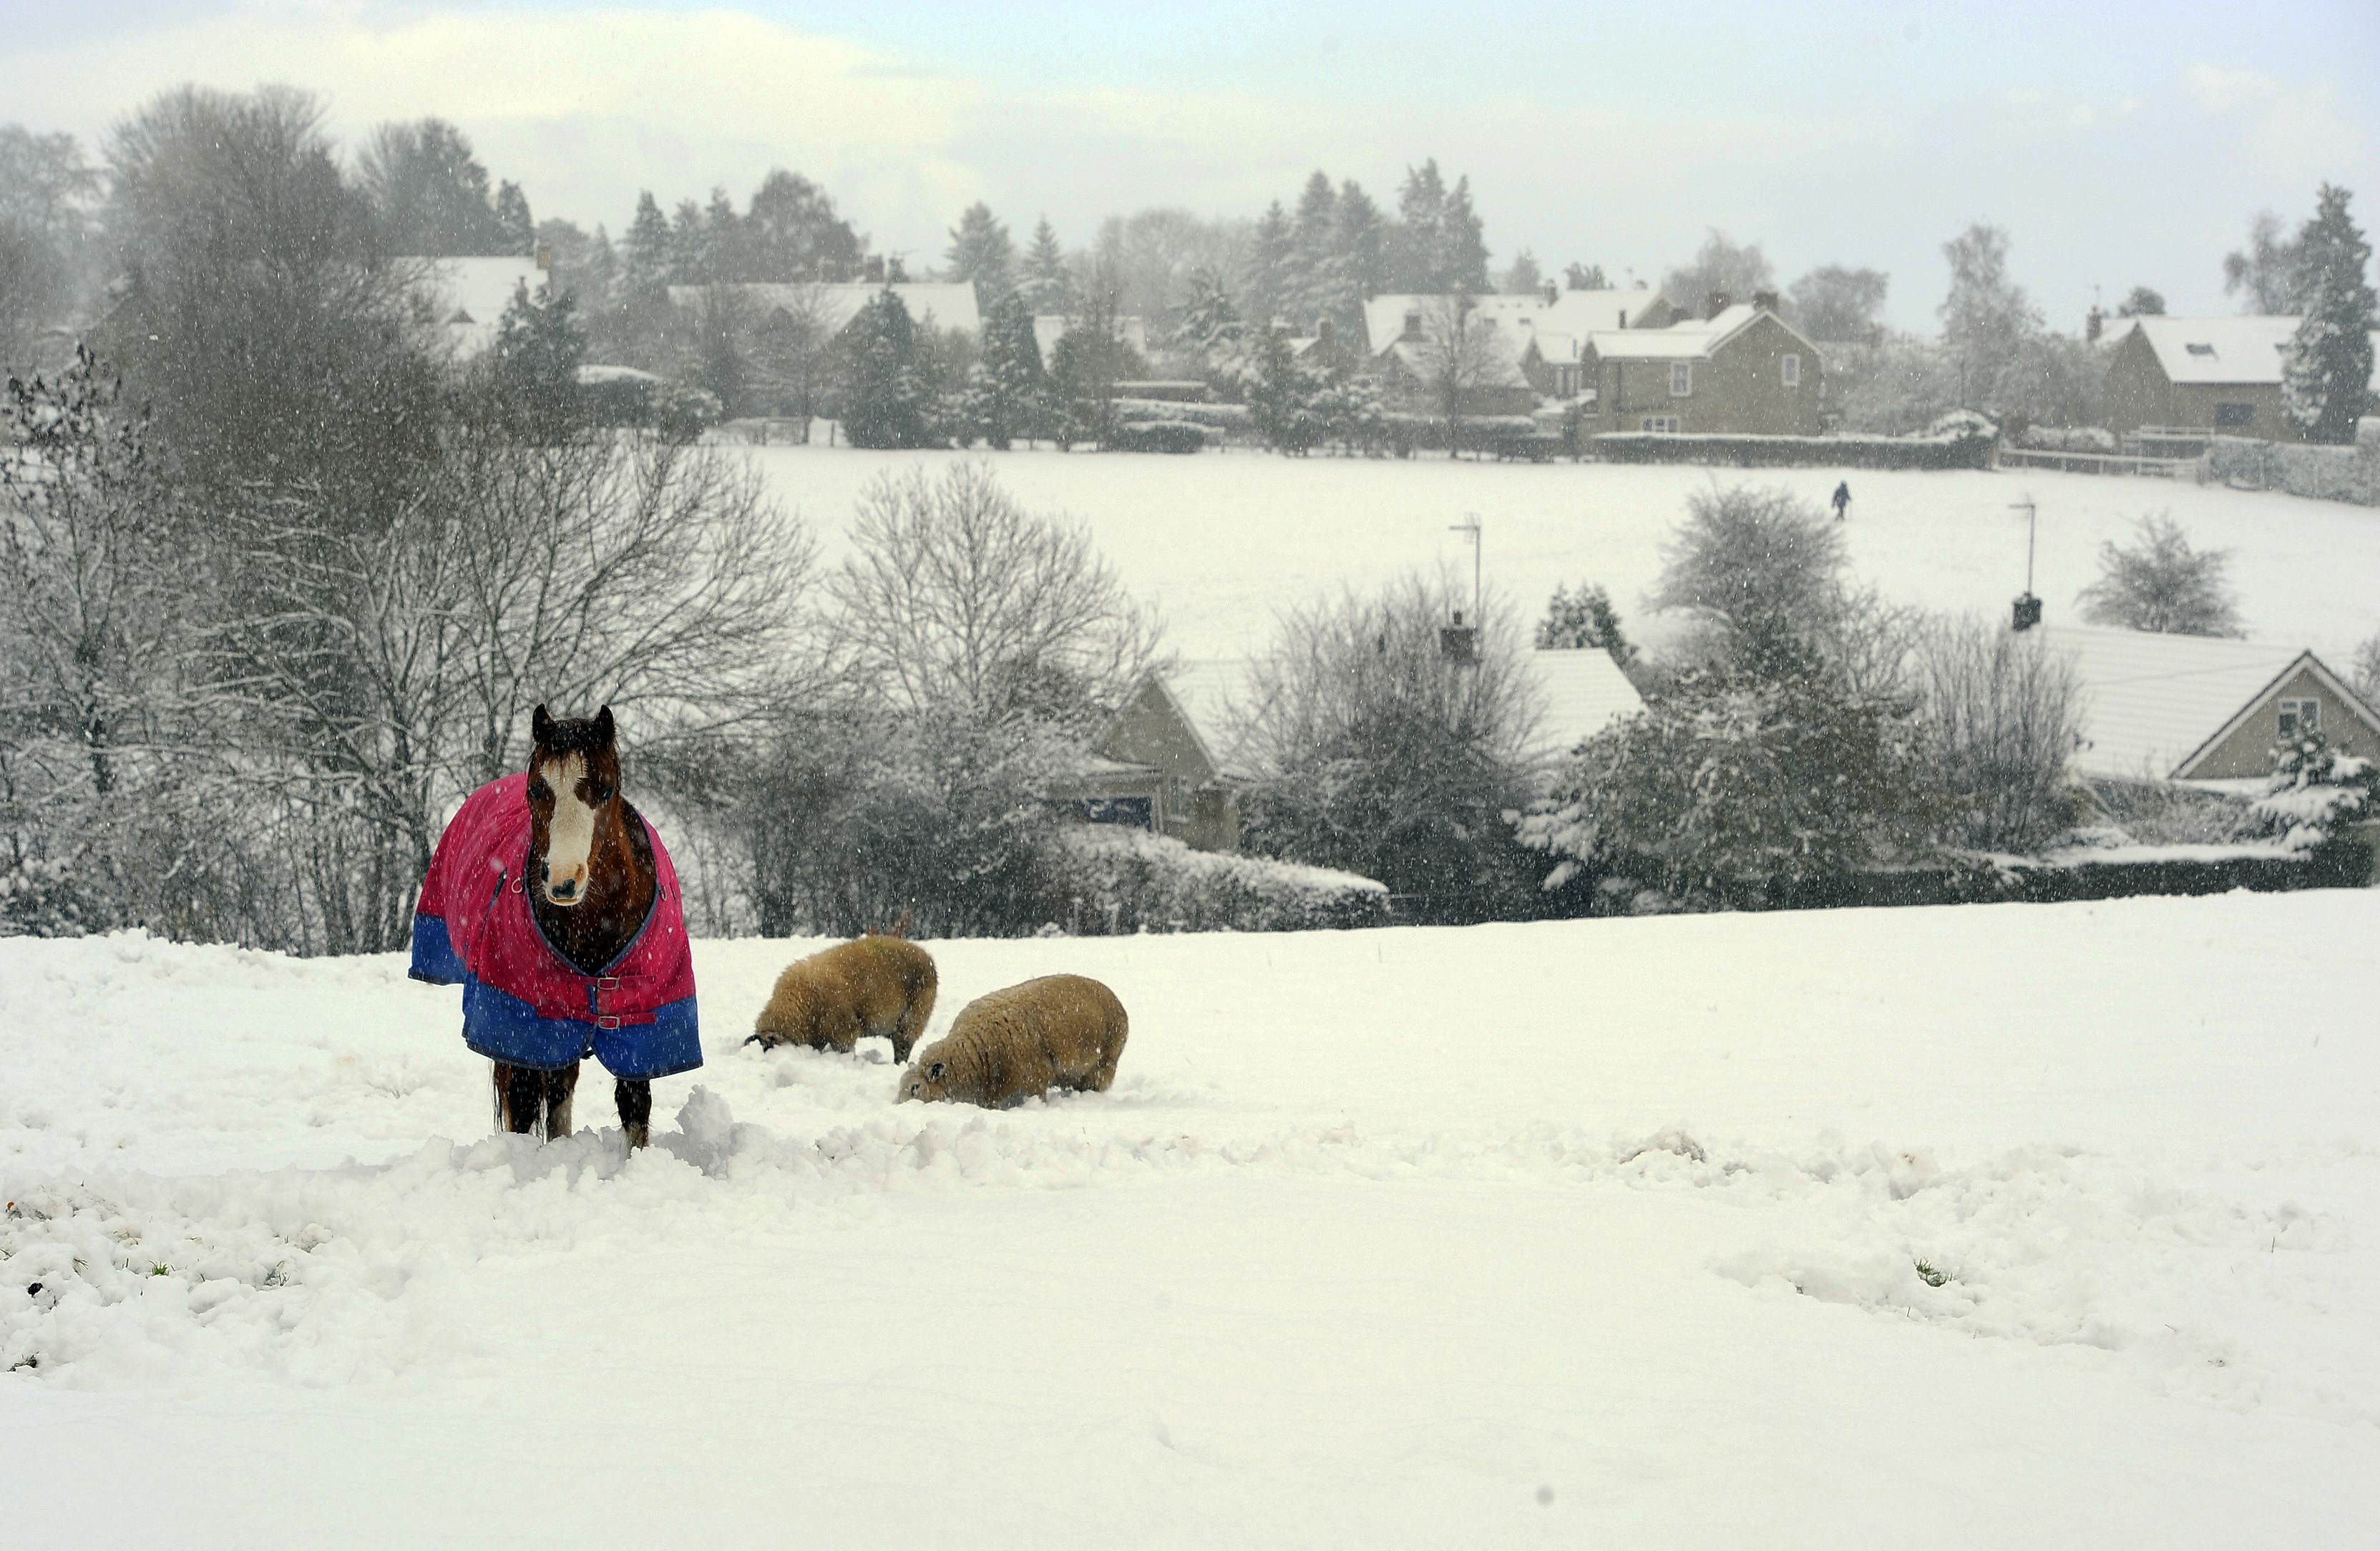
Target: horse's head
(574, 796)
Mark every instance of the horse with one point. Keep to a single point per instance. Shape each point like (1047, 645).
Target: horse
(577, 947)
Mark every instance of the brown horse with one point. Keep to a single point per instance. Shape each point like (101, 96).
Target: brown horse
(591, 882)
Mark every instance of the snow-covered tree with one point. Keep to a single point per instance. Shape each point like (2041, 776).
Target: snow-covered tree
(1417, 247)
(515, 229)
(885, 403)
(1362, 250)
(2161, 583)
(1836, 303)
(1521, 277)
(538, 349)
(2000, 719)
(1576, 621)
(1284, 396)
(1987, 318)
(981, 253)
(1720, 264)
(2327, 368)
(2141, 301)
(1210, 327)
(429, 193)
(2315, 791)
(1009, 377)
(1268, 285)
(1316, 284)
(2265, 274)
(1467, 242)
(1762, 563)
(1047, 283)
(792, 234)
(647, 258)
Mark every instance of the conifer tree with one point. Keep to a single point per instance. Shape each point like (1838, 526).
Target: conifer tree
(1316, 280)
(2327, 368)
(1010, 381)
(1418, 256)
(886, 403)
(1466, 244)
(981, 253)
(1047, 284)
(1265, 285)
(645, 253)
(1210, 327)
(518, 232)
(1362, 247)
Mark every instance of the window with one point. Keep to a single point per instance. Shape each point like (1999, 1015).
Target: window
(1792, 372)
(2301, 716)
(1412, 325)
(1132, 812)
(2234, 416)
(1658, 422)
(2200, 349)
(1682, 379)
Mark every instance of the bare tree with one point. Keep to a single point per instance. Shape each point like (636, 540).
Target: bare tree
(958, 597)
(1454, 359)
(1999, 721)
(792, 356)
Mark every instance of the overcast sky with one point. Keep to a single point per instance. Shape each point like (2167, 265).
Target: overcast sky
(2119, 144)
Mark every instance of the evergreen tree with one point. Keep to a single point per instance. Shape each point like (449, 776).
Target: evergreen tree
(427, 191)
(1524, 278)
(538, 349)
(723, 240)
(1466, 243)
(1210, 327)
(1582, 619)
(886, 403)
(792, 233)
(514, 228)
(2327, 369)
(689, 246)
(981, 253)
(1316, 280)
(1417, 257)
(1283, 396)
(1047, 285)
(1267, 283)
(1009, 380)
(1584, 277)
(647, 255)
(1362, 250)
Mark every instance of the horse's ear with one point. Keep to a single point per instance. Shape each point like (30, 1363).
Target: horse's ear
(541, 725)
(603, 725)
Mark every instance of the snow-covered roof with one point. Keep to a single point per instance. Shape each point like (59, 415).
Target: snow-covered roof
(950, 305)
(1500, 369)
(591, 375)
(467, 297)
(2151, 701)
(1212, 693)
(1584, 691)
(1051, 327)
(2240, 351)
(1688, 339)
(1580, 313)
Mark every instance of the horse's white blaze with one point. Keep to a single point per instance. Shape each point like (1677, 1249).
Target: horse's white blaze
(570, 837)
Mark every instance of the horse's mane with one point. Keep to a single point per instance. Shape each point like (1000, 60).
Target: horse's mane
(580, 736)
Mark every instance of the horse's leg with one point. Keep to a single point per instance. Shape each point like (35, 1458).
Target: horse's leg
(559, 1087)
(636, 1101)
(520, 1099)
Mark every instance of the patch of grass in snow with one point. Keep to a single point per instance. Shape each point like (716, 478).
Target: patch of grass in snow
(1930, 1276)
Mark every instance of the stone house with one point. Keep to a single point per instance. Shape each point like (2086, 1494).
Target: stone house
(2211, 374)
(1738, 370)
(2161, 708)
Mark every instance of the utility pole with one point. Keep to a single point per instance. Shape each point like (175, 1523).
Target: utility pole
(2028, 607)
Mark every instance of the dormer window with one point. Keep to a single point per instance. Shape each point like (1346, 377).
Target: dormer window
(2200, 349)
(1412, 325)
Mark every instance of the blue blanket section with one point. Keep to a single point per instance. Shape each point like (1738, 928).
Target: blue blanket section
(503, 1028)
(434, 958)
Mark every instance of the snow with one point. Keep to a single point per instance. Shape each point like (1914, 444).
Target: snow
(2230, 350)
(1223, 542)
(1570, 1233)
(2151, 700)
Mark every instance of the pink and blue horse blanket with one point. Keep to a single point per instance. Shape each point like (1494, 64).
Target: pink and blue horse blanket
(523, 1003)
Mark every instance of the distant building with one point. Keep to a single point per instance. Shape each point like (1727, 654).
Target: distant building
(2161, 708)
(1738, 370)
(1584, 692)
(2212, 374)
(1051, 327)
(464, 299)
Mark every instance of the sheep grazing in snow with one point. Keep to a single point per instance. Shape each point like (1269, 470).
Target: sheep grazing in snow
(870, 986)
(1059, 1031)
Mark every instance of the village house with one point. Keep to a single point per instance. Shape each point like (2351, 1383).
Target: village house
(2208, 374)
(1412, 360)
(1169, 760)
(1545, 332)
(1739, 369)
(2160, 707)
(464, 299)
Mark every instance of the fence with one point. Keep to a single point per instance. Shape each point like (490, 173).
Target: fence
(2092, 462)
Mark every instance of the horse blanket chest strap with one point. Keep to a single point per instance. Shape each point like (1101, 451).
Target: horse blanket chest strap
(523, 1003)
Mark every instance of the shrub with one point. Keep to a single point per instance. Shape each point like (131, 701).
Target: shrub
(1999, 724)
(1760, 560)
(1112, 878)
(1584, 619)
(1158, 436)
(2162, 585)
(2314, 793)
(682, 414)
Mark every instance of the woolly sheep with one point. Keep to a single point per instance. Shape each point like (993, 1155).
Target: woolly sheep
(1059, 1031)
(868, 986)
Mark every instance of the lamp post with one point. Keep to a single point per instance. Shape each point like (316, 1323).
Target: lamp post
(2027, 612)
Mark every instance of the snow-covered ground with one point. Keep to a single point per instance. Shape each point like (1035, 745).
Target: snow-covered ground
(1221, 540)
(1580, 1234)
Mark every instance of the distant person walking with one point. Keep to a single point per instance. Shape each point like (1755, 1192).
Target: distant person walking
(1842, 499)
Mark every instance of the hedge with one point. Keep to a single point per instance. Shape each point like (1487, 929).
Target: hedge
(1222, 416)
(1840, 452)
(1117, 879)
(2349, 474)
(1157, 436)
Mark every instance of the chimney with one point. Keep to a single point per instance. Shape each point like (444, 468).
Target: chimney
(1322, 332)
(2027, 612)
(874, 271)
(545, 256)
(1716, 303)
(1765, 300)
(2094, 323)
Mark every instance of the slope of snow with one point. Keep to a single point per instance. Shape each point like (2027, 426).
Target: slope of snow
(1562, 1235)
(1223, 540)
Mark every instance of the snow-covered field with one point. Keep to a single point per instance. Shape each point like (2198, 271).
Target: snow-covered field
(1221, 540)
(1569, 1234)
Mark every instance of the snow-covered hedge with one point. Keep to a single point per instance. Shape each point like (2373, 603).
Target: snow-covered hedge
(1124, 880)
(1967, 447)
(2068, 439)
(1158, 436)
(2320, 473)
(1221, 416)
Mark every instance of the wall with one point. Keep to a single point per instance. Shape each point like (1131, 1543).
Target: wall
(2249, 750)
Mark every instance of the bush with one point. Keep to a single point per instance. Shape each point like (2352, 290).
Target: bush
(1760, 560)
(2162, 585)
(682, 414)
(1158, 436)
(1118, 880)
(1999, 725)
(2314, 793)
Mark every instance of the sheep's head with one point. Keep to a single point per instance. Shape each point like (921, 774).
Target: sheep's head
(927, 1081)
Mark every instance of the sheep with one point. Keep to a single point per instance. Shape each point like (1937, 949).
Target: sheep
(1059, 1031)
(868, 986)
